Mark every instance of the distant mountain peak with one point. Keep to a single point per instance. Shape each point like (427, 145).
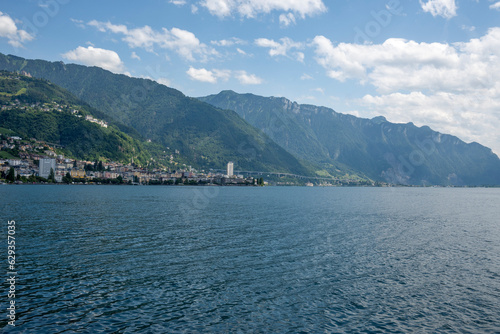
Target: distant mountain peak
(384, 151)
(379, 119)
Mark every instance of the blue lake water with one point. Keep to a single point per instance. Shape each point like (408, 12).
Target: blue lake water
(125, 259)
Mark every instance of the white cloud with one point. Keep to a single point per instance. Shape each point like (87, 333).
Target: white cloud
(183, 42)
(306, 77)
(401, 64)
(229, 42)
(214, 75)
(9, 30)
(91, 56)
(287, 19)
(248, 79)
(300, 56)
(452, 87)
(250, 8)
(281, 48)
(222, 74)
(495, 6)
(135, 56)
(210, 76)
(178, 2)
(202, 75)
(444, 8)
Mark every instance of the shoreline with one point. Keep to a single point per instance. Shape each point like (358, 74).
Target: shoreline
(249, 185)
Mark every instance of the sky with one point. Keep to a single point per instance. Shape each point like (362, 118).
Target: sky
(430, 62)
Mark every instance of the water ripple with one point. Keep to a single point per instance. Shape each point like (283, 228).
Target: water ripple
(262, 260)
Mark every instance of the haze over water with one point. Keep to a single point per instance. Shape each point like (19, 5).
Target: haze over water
(272, 260)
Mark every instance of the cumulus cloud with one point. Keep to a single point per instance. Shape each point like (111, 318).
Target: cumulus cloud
(8, 29)
(248, 79)
(210, 76)
(183, 42)
(452, 87)
(495, 6)
(444, 8)
(251, 8)
(202, 75)
(107, 59)
(399, 64)
(281, 48)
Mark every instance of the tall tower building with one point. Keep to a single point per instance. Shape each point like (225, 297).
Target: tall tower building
(230, 167)
(45, 166)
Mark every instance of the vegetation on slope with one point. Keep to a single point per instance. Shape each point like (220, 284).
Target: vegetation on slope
(206, 136)
(37, 109)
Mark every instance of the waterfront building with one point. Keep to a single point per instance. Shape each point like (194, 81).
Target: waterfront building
(45, 166)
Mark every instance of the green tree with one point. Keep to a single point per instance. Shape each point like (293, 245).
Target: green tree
(120, 179)
(12, 175)
(67, 178)
(52, 177)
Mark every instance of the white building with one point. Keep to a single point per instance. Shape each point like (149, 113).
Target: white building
(45, 166)
(230, 167)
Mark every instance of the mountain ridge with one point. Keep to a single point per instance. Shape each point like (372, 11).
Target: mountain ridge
(271, 134)
(384, 151)
(206, 136)
(36, 108)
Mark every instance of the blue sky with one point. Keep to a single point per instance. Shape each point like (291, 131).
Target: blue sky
(431, 62)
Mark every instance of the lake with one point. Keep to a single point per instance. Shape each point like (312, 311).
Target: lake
(146, 259)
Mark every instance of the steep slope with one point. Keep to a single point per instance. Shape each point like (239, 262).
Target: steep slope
(38, 109)
(206, 136)
(396, 153)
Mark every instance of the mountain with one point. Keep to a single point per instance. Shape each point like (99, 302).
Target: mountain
(394, 153)
(205, 135)
(35, 108)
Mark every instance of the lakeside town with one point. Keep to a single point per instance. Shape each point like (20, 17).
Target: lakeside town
(38, 162)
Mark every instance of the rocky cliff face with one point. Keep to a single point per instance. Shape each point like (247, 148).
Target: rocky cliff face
(395, 153)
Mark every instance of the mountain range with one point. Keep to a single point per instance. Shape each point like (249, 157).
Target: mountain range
(269, 134)
(384, 151)
(206, 137)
